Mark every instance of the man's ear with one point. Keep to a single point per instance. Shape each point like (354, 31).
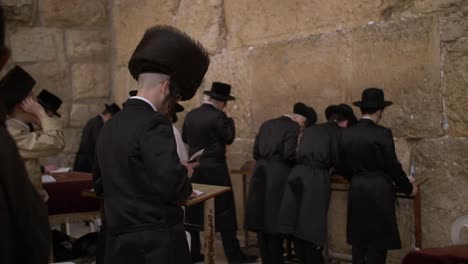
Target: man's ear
(165, 87)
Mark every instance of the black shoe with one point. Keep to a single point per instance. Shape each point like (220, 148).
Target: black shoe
(244, 259)
(198, 258)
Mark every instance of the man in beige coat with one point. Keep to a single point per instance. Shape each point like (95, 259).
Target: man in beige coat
(22, 109)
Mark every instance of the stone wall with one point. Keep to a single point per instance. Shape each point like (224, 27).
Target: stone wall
(274, 53)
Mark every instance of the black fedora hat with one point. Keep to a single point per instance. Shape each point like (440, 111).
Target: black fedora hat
(348, 113)
(167, 50)
(112, 108)
(15, 86)
(372, 98)
(307, 112)
(330, 110)
(177, 107)
(220, 91)
(49, 101)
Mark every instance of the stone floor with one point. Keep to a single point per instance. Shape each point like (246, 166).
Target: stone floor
(77, 230)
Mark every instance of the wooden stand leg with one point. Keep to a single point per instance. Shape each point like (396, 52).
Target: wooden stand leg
(209, 231)
(417, 220)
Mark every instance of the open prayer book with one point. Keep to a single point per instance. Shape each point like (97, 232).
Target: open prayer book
(195, 194)
(196, 156)
(48, 179)
(61, 170)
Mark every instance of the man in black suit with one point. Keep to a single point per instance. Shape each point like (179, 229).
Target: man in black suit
(275, 152)
(370, 163)
(211, 128)
(24, 223)
(138, 171)
(85, 156)
(307, 196)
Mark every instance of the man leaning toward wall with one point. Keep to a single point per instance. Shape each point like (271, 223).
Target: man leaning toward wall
(138, 171)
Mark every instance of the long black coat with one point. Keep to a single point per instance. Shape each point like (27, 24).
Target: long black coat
(85, 156)
(143, 183)
(307, 196)
(24, 223)
(370, 162)
(275, 153)
(209, 128)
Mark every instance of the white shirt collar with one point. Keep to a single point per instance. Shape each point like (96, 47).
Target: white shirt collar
(210, 103)
(368, 118)
(19, 122)
(146, 100)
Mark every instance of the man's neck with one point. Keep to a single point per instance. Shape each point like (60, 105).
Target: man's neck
(370, 117)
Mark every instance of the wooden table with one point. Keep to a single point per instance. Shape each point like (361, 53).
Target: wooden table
(445, 255)
(339, 183)
(209, 193)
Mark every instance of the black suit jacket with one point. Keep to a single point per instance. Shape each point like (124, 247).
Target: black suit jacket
(209, 128)
(24, 222)
(85, 156)
(370, 162)
(143, 183)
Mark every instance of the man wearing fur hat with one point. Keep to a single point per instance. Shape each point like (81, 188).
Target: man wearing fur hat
(210, 127)
(23, 109)
(369, 161)
(304, 207)
(138, 172)
(275, 154)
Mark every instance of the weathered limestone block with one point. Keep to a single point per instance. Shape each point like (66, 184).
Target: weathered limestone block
(123, 83)
(133, 17)
(51, 76)
(65, 13)
(404, 59)
(35, 44)
(453, 22)
(87, 44)
(19, 10)
(72, 139)
(313, 70)
(203, 20)
(403, 150)
(337, 219)
(254, 22)
(456, 87)
(90, 80)
(81, 113)
(444, 196)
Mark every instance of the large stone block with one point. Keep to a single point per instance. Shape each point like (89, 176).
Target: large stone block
(404, 59)
(72, 13)
(456, 87)
(87, 44)
(123, 83)
(81, 113)
(22, 11)
(72, 139)
(453, 22)
(313, 70)
(254, 22)
(203, 20)
(90, 80)
(444, 196)
(35, 44)
(51, 76)
(133, 17)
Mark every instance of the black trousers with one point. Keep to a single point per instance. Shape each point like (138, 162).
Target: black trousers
(369, 255)
(271, 248)
(230, 244)
(307, 252)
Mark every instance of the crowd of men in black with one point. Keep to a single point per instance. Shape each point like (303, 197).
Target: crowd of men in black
(143, 179)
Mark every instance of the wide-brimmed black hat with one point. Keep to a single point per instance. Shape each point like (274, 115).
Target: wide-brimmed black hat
(167, 50)
(177, 107)
(220, 91)
(348, 113)
(15, 86)
(112, 108)
(372, 98)
(307, 112)
(49, 101)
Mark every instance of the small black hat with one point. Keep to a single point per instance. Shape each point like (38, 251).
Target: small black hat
(330, 111)
(220, 91)
(177, 107)
(15, 86)
(113, 108)
(348, 113)
(307, 112)
(372, 98)
(167, 50)
(49, 101)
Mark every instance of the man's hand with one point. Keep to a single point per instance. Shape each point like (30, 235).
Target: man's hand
(30, 105)
(415, 190)
(190, 166)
